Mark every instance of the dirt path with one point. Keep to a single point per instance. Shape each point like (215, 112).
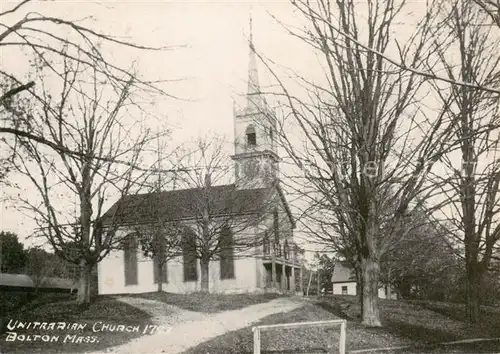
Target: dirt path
(184, 329)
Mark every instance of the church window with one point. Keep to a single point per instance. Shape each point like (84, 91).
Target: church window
(286, 251)
(251, 136)
(189, 256)
(130, 259)
(159, 259)
(226, 254)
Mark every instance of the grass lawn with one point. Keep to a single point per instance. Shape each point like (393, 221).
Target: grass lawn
(303, 340)
(420, 325)
(105, 309)
(209, 303)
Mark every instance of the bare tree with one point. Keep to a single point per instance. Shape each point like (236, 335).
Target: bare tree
(87, 117)
(367, 143)
(491, 8)
(471, 189)
(224, 217)
(48, 40)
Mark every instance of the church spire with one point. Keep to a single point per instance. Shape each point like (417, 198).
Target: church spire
(254, 97)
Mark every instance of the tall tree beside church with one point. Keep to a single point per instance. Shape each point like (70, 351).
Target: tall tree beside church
(364, 135)
(71, 185)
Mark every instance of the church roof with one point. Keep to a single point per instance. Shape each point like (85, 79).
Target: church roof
(185, 204)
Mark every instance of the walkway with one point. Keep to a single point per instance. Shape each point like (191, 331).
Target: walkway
(185, 329)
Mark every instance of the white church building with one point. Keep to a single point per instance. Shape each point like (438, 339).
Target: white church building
(272, 265)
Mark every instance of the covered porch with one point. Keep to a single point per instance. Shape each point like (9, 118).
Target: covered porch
(283, 277)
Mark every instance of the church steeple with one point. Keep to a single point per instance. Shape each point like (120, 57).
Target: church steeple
(255, 156)
(255, 101)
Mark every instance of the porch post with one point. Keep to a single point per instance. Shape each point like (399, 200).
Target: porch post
(301, 286)
(283, 277)
(273, 272)
(293, 286)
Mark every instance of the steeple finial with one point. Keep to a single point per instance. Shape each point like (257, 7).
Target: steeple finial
(254, 98)
(251, 30)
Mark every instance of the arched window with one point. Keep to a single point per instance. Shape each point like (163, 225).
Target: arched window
(130, 259)
(189, 255)
(251, 136)
(226, 254)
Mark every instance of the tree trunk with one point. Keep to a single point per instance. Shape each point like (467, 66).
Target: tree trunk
(204, 263)
(359, 286)
(317, 283)
(273, 272)
(370, 313)
(473, 292)
(83, 296)
(389, 287)
(85, 224)
(160, 276)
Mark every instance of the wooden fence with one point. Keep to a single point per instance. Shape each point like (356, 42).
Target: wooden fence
(258, 329)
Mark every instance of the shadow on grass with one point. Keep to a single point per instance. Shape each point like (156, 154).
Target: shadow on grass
(336, 309)
(419, 333)
(489, 321)
(84, 338)
(308, 351)
(283, 341)
(208, 303)
(421, 325)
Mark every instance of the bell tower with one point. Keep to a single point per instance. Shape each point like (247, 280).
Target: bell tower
(255, 150)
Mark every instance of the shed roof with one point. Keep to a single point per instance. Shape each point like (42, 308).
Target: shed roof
(342, 274)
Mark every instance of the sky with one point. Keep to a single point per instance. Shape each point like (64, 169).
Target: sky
(210, 53)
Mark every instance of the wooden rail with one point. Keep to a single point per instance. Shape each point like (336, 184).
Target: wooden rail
(343, 324)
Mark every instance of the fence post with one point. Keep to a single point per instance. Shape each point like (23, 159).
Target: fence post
(342, 337)
(256, 340)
